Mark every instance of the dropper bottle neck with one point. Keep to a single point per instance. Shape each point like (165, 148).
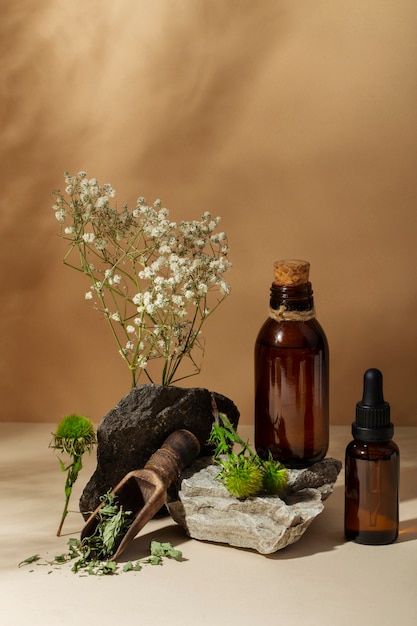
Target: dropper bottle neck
(373, 414)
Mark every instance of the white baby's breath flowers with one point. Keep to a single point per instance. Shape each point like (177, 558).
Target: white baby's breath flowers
(60, 215)
(153, 280)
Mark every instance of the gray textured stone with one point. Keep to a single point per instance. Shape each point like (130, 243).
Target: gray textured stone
(133, 430)
(207, 511)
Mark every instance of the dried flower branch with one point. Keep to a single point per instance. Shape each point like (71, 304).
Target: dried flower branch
(153, 280)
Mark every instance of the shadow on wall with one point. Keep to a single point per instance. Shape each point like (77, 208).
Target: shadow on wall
(294, 123)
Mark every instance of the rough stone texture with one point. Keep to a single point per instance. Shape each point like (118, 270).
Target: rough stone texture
(320, 476)
(207, 511)
(131, 432)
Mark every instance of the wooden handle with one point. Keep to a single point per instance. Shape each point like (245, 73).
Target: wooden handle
(177, 451)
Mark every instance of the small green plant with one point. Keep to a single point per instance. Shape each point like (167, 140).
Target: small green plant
(274, 475)
(74, 436)
(244, 473)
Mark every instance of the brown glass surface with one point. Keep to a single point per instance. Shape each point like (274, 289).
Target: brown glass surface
(291, 392)
(371, 492)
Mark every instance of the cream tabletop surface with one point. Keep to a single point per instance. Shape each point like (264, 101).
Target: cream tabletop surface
(321, 579)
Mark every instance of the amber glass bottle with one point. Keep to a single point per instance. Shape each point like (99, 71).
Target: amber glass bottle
(372, 469)
(291, 373)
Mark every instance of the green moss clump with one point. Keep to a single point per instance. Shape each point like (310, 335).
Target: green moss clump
(275, 476)
(74, 435)
(241, 477)
(243, 474)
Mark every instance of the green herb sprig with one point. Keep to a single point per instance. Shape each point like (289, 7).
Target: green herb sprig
(112, 523)
(74, 436)
(244, 474)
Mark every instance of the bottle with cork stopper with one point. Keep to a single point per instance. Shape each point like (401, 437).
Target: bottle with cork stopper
(372, 469)
(292, 373)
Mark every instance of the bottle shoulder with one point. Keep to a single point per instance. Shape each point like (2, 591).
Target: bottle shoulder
(372, 450)
(288, 334)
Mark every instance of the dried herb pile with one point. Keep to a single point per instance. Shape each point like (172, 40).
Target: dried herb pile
(91, 555)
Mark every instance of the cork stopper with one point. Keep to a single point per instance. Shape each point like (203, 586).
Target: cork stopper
(291, 272)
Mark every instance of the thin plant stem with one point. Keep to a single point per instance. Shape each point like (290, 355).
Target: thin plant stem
(72, 474)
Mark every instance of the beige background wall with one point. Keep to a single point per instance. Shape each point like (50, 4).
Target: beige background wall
(294, 121)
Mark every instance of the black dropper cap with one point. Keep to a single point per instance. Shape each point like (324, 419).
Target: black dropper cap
(373, 421)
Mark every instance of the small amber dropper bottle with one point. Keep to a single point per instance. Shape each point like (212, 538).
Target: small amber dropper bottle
(372, 468)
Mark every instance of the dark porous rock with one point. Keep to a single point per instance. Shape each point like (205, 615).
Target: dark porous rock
(131, 432)
(321, 476)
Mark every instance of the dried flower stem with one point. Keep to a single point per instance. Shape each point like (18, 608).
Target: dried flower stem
(154, 281)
